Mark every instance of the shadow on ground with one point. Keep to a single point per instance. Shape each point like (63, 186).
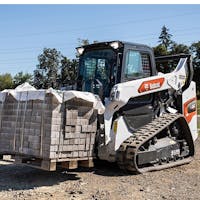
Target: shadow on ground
(19, 177)
(103, 168)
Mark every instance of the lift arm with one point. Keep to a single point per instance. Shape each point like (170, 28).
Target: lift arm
(122, 92)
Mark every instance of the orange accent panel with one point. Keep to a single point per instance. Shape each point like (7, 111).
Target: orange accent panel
(151, 85)
(187, 115)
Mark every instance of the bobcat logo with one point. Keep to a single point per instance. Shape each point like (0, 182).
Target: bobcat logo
(151, 85)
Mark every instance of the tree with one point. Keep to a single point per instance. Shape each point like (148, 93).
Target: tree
(21, 78)
(160, 50)
(65, 71)
(165, 37)
(46, 73)
(39, 79)
(6, 81)
(179, 48)
(82, 42)
(68, 73)
(195, 49)
(74, 68)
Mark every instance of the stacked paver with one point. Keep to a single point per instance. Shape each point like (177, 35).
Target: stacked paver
(48, 128)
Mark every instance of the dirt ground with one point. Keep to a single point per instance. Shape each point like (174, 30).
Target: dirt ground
(104, 182)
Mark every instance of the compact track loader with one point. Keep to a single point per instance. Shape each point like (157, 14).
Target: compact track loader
(123, 110)
(150, 118)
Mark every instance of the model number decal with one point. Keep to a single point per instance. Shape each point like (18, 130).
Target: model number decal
(151, 85)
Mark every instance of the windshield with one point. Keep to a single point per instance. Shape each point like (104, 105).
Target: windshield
(96, 71)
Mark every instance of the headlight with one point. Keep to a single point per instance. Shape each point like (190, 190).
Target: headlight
(80, 50)
(114, 45)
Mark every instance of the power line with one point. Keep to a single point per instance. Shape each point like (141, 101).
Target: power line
(33, 47)
(100, 26)
(13, 50)
(24, 60)
(27, 50)
(5, 61)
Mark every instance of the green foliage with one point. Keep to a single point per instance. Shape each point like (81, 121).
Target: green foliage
(68, 73)
(21, 78)
(168, 47)
(6, 81)
(179, 48)
(195, 49)
(46, 73)
(65, 72)
(82, 42)
(165, 37)
(54, 70)
(197, 79)
(74, 67)
(39, 79)
(160, 50)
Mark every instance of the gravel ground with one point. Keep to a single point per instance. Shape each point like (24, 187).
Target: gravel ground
(104, 182)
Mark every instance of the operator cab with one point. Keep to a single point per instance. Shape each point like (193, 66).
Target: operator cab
(102, 65)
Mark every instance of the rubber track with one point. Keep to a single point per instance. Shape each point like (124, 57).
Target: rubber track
(127, 153)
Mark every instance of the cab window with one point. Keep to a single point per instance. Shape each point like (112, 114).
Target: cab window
(137, 65)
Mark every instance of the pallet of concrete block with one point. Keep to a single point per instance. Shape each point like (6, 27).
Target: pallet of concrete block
(80, 128)
(23, 114)
(45, 127)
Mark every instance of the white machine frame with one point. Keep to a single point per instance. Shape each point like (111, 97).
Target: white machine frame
(122, 92)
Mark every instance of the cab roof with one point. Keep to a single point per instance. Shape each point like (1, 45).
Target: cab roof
(103, 44)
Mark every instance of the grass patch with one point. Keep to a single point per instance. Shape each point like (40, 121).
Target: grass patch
(198, 107)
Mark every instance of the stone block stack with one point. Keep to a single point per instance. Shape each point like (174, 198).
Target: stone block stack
(47, 128)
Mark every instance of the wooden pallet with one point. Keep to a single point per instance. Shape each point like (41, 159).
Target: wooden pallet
(50, 165)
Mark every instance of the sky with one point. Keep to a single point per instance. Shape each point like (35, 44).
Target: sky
(26, 29)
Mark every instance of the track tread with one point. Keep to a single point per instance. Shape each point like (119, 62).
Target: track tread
(126, 155)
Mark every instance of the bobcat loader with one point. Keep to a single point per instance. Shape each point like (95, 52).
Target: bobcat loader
(150, 118)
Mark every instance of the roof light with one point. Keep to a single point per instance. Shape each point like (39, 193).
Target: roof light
(80, 50)
(115, 45)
